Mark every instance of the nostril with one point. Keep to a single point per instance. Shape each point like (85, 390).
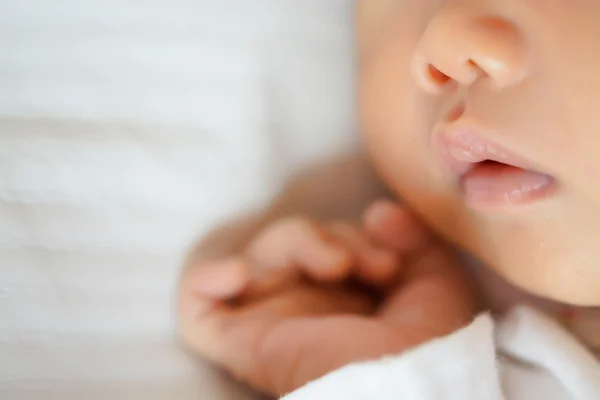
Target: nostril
(466, 75)
(460, 49)
(437, 76)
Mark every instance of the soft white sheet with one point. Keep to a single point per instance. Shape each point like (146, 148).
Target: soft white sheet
(526, 356)
(131, 128)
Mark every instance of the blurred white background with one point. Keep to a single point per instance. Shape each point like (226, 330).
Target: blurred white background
(128, 130)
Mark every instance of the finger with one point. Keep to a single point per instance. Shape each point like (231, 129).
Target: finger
(219, 279)
(306, 299)
(373, 264)
(434, 299)
(393, 226)
(204, 285)
(302, 245)
(271, 263)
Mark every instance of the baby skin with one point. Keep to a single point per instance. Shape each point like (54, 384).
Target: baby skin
(482, 115)
(304, 298)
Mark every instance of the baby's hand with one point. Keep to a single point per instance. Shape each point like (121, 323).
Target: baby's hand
(305, 299)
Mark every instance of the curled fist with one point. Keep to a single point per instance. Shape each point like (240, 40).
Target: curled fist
(304, 298)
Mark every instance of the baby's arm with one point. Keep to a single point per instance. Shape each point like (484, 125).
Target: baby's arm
(287, 310)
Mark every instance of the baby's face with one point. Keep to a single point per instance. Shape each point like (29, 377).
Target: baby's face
(447, 84)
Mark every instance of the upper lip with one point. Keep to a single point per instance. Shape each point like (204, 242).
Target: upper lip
(461, 147)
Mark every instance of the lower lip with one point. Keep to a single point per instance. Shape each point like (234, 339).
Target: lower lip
(492, 186)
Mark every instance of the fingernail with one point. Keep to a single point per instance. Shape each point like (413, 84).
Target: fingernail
(379, 212)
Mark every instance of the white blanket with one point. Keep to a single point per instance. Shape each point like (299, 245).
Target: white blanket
(527, 356)
(128, 130)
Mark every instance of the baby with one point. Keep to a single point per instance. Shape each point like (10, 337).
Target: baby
(482, 115)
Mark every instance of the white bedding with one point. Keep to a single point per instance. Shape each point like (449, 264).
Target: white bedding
(131, 128)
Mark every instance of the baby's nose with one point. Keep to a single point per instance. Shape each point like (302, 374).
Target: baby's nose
(460, 47)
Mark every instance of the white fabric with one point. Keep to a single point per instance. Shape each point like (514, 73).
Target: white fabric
(524, 357)
(129, 129)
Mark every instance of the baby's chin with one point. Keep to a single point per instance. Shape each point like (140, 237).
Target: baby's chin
(541, 258)
(556, 279)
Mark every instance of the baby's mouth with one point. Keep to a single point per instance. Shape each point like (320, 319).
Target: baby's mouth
(489, 176)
